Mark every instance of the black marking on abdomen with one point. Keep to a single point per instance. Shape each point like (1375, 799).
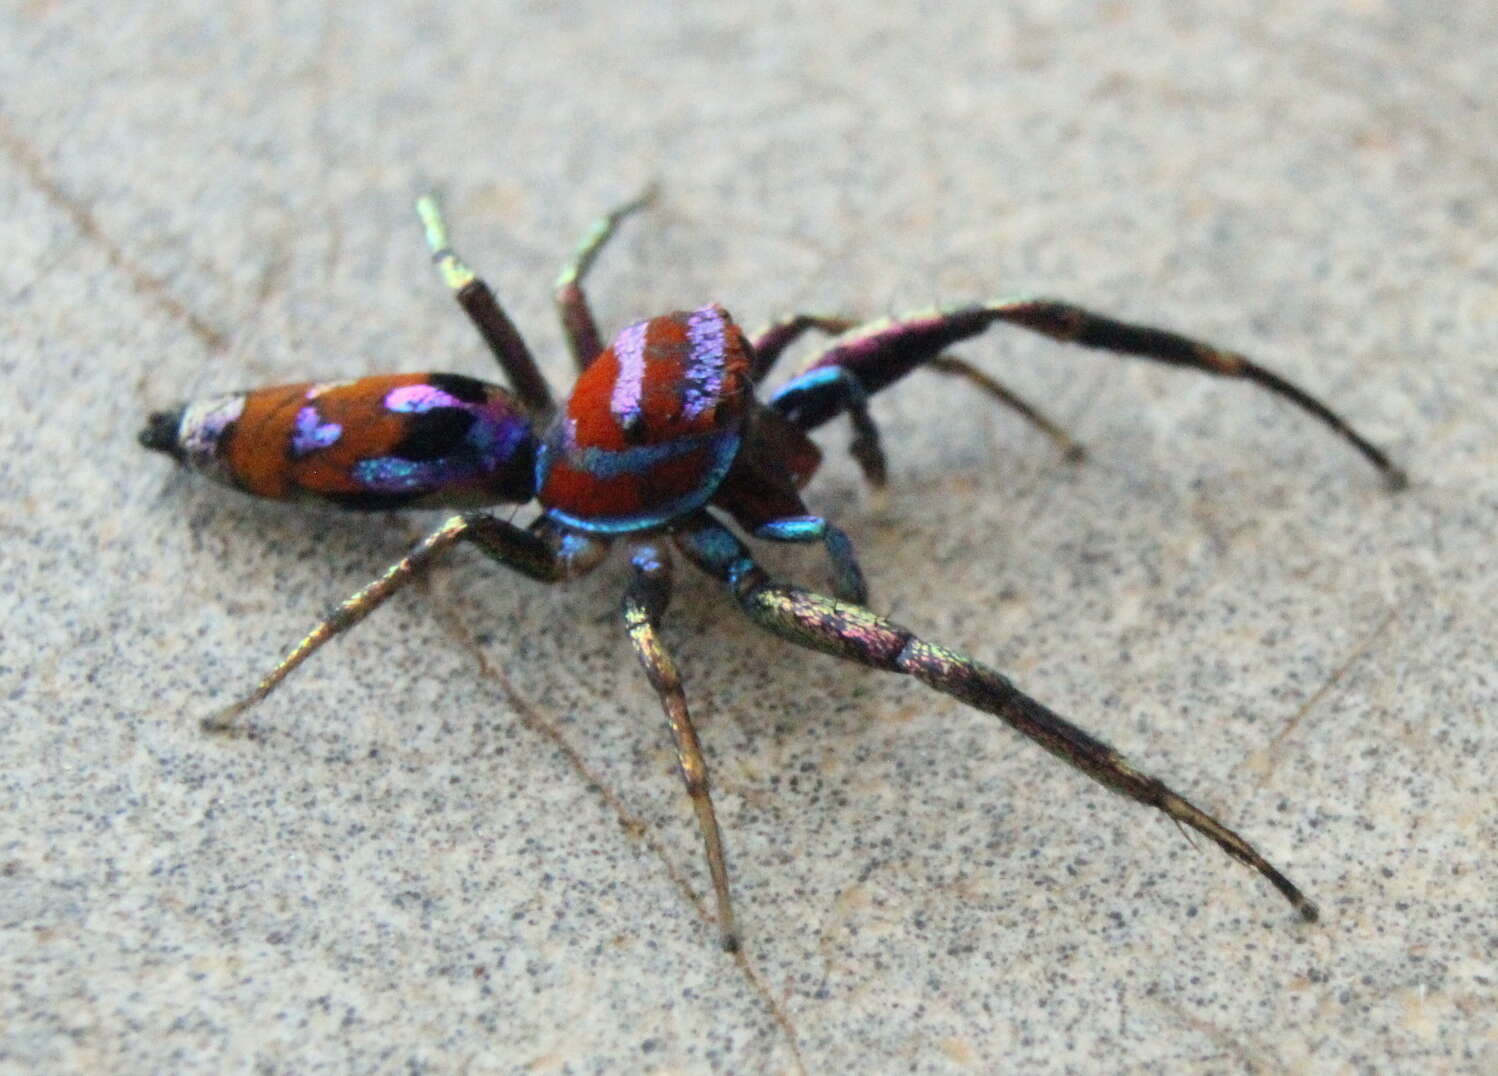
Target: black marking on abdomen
(436, 434)
(460, 387)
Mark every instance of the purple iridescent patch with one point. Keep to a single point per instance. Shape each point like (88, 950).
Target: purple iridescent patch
(414, 399)
(310, 433)
(704, 374)
(629, 349)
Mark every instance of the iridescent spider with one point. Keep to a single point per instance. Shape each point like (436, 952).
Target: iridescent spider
(661, 435)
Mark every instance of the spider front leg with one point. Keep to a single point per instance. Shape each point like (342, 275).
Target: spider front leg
(1071, 449)
(847, 577)
(853, 632)
(540, 553)
(822, 391)
(572, 305)
(483, 309)
(780, 334)
(837, 388)
(882, 352)
(644, 605)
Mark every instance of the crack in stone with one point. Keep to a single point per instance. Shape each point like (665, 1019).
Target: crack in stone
(144, 283)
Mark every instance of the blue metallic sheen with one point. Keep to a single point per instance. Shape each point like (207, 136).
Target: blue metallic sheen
(639, 460)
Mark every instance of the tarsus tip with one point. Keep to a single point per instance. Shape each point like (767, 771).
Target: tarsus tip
(648, 195)
(222, 722)
(431, 221)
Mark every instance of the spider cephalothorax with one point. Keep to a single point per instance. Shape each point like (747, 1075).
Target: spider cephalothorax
(662, 430)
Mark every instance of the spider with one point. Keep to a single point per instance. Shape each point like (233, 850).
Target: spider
(662, 436)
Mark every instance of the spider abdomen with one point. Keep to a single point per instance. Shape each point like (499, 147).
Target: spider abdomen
(652, 425)
(374, 442)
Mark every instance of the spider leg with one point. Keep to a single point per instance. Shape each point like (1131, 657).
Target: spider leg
(847, 577)
(483, 309)
(951, 365)
(644, 605)
(828, 390)
(839, 388)
(882, 352)
(761, 493)
(853, 632)
(780, 334)
(835, 386)
(541, 553)
(572, 305)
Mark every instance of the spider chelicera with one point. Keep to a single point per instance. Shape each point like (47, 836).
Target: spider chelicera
(662, 435)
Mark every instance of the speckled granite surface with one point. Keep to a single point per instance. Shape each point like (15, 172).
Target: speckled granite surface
(459, 843)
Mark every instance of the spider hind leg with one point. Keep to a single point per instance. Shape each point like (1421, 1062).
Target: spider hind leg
(540, 553)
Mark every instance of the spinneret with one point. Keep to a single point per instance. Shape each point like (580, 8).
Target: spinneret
(660, 432)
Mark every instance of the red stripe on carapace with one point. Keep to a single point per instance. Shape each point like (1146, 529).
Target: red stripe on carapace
(661, 397)
(675, 382)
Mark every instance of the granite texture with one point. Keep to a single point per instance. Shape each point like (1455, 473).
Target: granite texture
(458, 842)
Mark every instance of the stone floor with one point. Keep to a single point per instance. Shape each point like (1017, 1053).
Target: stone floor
(457, 840)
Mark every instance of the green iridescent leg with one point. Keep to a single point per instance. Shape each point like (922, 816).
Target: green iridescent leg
(853, 632)
(572, 304)
(644, 605)
(539, 555)
(483, 309)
